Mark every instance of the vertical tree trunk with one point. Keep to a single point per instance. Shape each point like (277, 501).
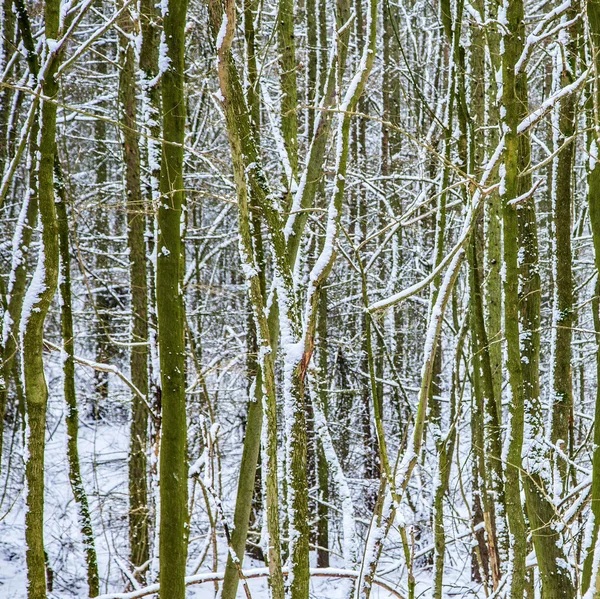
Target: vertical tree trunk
(390, 150)
(541, 511)
(452, 27)
(590, 579)
(243, 149)
(312, 71)
(288, 81)
(444, 467)
(593, 178)
(315, 85)
(488, 441)
(562, 408)
(72, 417)
(490, 451)
(7, 46)
(493, 222)
(150, 118)
(545, 528)
(138, 361)
(171, 321)
(322, 466)
(513, 46)
(35, 308)
(249, 473)
(102, 298)
(449, 21)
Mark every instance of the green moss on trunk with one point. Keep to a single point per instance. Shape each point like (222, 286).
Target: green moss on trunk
(171, 321)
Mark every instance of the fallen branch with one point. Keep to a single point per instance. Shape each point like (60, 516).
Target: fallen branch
(248, 574)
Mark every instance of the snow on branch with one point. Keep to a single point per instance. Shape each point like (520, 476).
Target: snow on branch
(538, 34)
(250, 574)
(470, 220)
(545, 108)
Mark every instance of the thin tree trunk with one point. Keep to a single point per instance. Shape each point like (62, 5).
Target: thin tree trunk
(243, 148)
(590, 579)
(72, 417)
(247, 487)
(493, 224)
(322, 465)
(452, 28)
(102, 296)
(488, 444)
(7, 46)
(288, 81)
(490, 451)
(35, 308)
(152, 125)
(563, 316)
(138, 361)
(446, 452)
(513, 47)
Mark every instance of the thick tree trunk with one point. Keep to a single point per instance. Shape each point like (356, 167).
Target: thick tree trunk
(521, 254)
(171, 320)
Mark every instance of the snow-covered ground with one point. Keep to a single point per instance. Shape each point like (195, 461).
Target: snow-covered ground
(103, 447)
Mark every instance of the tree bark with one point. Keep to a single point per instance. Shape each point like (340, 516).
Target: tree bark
(136, 243)
(171, 321)
(35, 308)
(72, 417)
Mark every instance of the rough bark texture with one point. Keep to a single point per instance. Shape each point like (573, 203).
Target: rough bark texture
(562, 409)
(513, 46)
(35, 308)
(521, 253)
(171, 321)
(138, 361)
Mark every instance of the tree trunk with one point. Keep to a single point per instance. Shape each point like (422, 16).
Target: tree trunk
(171, 320)
(35, 308)
(562, 408)
(138, 361)
(513, 47)
(72, 418)
(590, 579)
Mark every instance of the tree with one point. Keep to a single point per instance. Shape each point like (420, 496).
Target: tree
(136, 226)
(171, 318)
(35, 307)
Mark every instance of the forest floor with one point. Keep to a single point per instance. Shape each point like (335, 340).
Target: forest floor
(103, 447)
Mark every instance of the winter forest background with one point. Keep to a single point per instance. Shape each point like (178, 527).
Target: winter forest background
(299, 298)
